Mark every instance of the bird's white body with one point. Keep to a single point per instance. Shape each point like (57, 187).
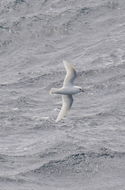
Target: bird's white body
(67, 90)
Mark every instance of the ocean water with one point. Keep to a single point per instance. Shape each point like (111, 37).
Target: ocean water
(86, 150)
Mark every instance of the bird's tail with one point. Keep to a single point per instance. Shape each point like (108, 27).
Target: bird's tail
(53, 91)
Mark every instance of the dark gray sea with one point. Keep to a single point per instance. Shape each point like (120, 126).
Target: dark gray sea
(86, 150)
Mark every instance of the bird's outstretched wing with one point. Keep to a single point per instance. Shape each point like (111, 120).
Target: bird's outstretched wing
(67, 101)
(70, 74)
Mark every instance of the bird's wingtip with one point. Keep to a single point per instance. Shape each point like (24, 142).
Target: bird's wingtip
(65, 62)
(57, 120)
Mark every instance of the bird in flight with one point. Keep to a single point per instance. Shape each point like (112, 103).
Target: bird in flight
(67, 90)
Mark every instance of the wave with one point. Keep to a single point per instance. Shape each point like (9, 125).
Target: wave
(42, 22)
(6, 179)
(84, 161)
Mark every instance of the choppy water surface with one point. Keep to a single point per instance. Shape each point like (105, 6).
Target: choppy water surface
(86, 151)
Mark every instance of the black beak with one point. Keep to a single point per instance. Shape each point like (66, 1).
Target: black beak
(82, 90)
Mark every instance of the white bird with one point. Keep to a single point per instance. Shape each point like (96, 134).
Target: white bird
(67, 90)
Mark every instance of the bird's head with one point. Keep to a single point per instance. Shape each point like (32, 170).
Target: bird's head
(80, 89)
